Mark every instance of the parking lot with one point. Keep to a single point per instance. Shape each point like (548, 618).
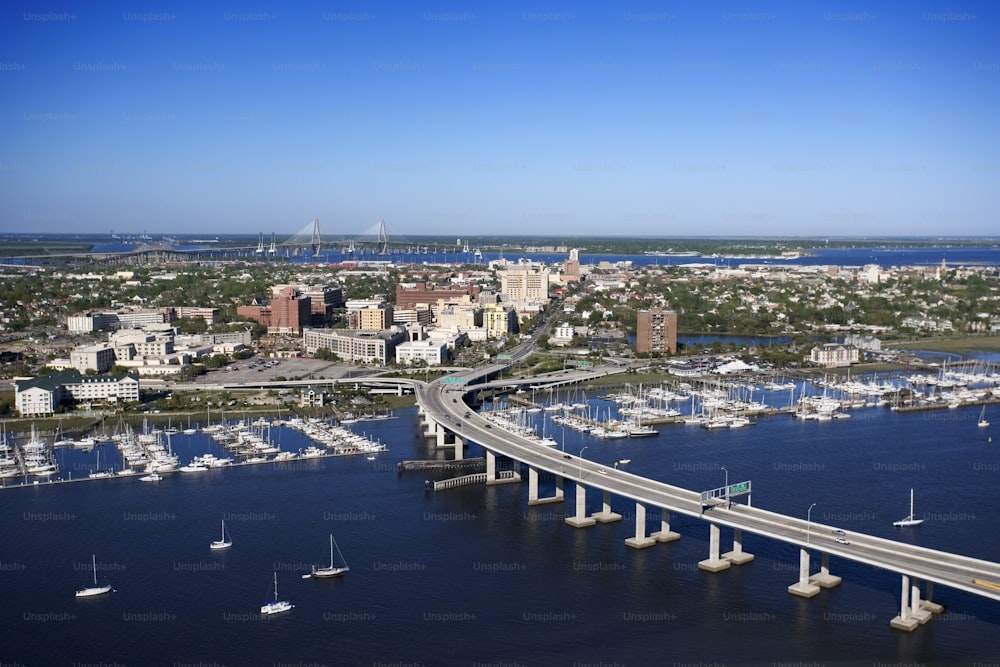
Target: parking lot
(257, 369)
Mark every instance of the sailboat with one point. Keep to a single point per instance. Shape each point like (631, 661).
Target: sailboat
(276, 606)
(91, 591)
(333, 570)
(98, 473)
(982, 418)
(909, 520)
(223, 542)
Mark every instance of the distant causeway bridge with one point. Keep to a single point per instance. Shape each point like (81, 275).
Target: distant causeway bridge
(446, 417)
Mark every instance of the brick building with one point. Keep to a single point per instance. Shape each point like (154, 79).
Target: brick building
(656, 331)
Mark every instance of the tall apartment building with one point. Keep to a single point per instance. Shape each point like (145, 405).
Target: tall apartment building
(520, 286)
(499, 320)
(656, 331)
(375, 318)
(289, 311)
(571, 267)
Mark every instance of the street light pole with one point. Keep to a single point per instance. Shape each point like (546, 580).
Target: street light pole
(727, 486)
(808, 520)
(581, 463)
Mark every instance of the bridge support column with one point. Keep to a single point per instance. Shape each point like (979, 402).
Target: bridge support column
(580, 519)
(664, 534)
(927, 604)
(737, 556)
(802, 587)
(640, 541)
(905, 621)
(606, 515)
(533, 498)
(491, 467)
(917, 610)
(823, 578)
(459, 448)
(713, 563)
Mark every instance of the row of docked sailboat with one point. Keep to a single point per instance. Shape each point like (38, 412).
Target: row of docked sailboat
(334, 438)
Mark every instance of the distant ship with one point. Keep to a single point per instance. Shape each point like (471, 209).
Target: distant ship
(672, 253)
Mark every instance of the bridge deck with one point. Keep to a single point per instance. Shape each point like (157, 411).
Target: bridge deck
(444, 404)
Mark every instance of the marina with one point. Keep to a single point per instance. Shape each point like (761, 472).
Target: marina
(152, 454)
(396, 533)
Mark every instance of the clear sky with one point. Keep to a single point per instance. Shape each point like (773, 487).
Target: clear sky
(573, 118)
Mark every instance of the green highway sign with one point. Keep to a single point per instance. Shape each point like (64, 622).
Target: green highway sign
(742, 487)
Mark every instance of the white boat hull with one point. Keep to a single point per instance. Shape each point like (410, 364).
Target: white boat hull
(92, 591)
(276, 607)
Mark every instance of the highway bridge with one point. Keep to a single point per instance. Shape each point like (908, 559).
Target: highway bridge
(447, 417)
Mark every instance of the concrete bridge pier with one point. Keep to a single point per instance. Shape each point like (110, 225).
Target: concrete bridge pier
(917, 609)
(926, 602)
(606, 515)
(456, 442)
(713, 563)
(533, 498)
(580, 519)
(803, 588)
(640, 541)
(906, 620)
(430, 427)
(491, 468)
(737, 556)
(823, 578)
(664, 534)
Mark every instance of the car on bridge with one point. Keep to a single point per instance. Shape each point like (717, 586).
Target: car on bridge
(843, 540)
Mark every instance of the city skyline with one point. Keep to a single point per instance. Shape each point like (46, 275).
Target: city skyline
(649, 119)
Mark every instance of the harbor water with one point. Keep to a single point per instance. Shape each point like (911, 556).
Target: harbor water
(475, 576)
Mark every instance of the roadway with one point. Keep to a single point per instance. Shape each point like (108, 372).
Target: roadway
(445, 404)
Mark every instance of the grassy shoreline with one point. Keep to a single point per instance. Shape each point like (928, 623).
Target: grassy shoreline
(957, 345)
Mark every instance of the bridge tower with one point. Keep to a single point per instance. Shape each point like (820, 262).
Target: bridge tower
(383, 237)
(260, 244)
(273, 249)
(316, 240)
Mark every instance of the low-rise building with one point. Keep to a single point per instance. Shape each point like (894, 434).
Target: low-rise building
(352, 345)
(427, 351)
(834, 354)
(36, 397)
(100, 358)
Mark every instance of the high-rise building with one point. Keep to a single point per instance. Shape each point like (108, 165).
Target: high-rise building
(290, 311)
(520, 286)
(375, 318)
(656, 331)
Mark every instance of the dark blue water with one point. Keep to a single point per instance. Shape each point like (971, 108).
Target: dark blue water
(474, 575)
(985, 255)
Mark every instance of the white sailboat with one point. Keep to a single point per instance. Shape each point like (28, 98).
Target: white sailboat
(982, 418)
(224, 542)
(909, 520)
(276, 606)
(334, 570)
(91, 591)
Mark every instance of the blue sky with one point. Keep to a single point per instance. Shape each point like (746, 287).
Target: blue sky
(655, 118)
